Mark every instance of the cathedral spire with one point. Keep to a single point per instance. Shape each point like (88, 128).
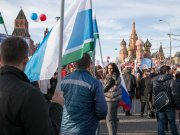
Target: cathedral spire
(160, 48)
(123, 51)
(161, 52)
(134, 27)
(133, 39)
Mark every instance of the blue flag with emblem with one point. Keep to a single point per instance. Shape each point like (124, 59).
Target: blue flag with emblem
(80, 39)
(95, 27)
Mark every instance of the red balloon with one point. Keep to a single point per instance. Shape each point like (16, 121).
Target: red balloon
(42, 17)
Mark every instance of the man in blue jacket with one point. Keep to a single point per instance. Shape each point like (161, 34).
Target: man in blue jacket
(85, 104)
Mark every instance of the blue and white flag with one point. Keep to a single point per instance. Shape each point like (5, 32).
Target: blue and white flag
(77, 39)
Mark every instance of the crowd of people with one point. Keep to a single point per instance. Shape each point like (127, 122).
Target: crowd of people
(85, 97)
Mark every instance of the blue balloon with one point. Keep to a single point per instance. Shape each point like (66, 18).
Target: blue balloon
(34, 16)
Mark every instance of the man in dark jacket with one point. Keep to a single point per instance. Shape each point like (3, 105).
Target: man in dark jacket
(169, 85)
(85, 103)
(177, 96)
(23, 109)
(130, 81)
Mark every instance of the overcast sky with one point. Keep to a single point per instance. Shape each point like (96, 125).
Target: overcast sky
(114, 17)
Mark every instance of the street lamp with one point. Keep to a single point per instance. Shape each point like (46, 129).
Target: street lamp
(169, 36)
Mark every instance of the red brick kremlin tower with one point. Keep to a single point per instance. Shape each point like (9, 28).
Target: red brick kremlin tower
(21, 29)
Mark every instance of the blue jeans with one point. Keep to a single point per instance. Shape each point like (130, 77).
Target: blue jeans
(170, 113)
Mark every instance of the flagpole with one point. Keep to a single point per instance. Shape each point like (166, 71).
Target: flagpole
(101, 52)
(61, 45)
(5, 29)
(93, 59)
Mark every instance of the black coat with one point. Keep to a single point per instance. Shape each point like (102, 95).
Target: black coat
(168, 85)
(130, 81)
(146, 89)
(177, 96)
(23, 109)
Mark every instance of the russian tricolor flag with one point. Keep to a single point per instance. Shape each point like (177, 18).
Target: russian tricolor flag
(125, 101)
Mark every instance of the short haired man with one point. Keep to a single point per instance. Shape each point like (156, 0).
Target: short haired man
(166, 79)
(85, 103)
(23, 109)
(130, 81)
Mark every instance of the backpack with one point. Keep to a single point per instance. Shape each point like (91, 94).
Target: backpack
(161, 99)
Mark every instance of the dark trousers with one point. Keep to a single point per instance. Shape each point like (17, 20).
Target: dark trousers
(166, 123)
(111, 118)
(149, 109)
(143, 104)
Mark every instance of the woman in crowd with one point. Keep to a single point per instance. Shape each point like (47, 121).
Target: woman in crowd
(112, 95)
(99, 73)
(145, 92)
(53, 82)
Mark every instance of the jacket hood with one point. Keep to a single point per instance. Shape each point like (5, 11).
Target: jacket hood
(164, 77)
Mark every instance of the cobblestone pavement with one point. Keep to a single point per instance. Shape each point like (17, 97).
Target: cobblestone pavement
(134, 125)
